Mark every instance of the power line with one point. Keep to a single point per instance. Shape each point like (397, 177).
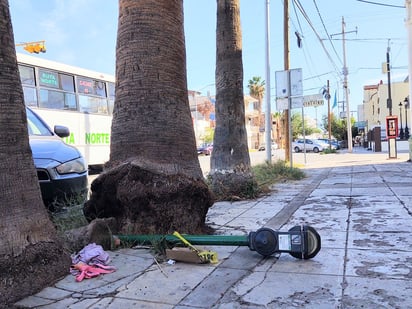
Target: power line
(302, 10)
(369, 39)
(297, 18)
(326, 30)
(383, 4)
(307, 56)
(319, 75)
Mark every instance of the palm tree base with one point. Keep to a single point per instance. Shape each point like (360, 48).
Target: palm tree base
(147, 200)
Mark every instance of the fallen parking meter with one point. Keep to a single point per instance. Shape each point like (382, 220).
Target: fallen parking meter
(301, 241)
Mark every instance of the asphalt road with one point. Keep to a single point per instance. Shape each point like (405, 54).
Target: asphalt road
(358, 156)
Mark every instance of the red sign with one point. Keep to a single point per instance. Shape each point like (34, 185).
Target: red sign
(391, 126)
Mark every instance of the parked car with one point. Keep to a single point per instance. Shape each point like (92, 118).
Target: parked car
(334, 143)
(205, 150)
(262, 147)
(308, 144)
(61, 169)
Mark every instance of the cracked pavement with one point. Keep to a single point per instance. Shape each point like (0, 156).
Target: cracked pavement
(361, 205)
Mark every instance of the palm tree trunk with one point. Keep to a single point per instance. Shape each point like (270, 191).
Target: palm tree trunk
(230, 163)
(27, 236)
(153, 180)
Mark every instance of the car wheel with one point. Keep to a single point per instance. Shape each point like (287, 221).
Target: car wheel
(297, 149)
(315, 149)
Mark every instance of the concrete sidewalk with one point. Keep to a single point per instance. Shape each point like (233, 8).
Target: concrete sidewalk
(361, 205)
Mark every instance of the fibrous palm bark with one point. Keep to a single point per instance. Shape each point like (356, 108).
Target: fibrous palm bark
(31, 255)
(230, 172)
(153, 182)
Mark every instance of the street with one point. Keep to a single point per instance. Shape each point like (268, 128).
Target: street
(316, 160)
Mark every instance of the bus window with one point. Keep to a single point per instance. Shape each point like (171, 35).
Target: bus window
(91, 87)
(99, 88)
(67, 82)
(57, 100)
(92, 105)
(30, 96)
(70, 101)
(111, 106)
(27, 75)
(111, 91)
(48, 78)
(111, 97)
(84, 85)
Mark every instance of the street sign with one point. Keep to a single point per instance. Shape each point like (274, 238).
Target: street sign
(296, 87)
(284, 91)
(297, 102)
(283, 103)
(313, 100)
(282, 83)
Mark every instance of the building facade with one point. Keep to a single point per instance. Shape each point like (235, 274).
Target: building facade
(203, 114)
(375, 105)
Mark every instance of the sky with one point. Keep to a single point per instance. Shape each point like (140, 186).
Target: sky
(83, 34)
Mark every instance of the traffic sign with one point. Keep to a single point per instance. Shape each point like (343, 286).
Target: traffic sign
(313, 100)
(283, 103)
(283, 89)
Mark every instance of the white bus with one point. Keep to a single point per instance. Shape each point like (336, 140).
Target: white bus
(77, 98)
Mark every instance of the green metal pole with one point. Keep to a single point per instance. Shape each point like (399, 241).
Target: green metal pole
(212, 240)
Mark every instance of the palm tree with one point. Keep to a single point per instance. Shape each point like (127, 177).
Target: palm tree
(278, 116)
(27, 236)
(257, 91)
(153, 182)
(230, 171)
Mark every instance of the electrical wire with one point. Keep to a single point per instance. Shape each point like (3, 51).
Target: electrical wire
(303, 12)
(327, 33)
(383, 4)
(370, 39)
(307, 57)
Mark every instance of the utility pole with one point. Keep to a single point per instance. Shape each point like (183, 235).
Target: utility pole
(388, 70)
(287, 112)
(345, 86)
(392, 151)
(329, 117)
(408, 23)
(268, 127)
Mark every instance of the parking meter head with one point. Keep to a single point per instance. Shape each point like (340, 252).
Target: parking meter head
(263, 241)
(311, 242)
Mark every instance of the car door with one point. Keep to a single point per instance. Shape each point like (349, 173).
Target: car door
(309, 145)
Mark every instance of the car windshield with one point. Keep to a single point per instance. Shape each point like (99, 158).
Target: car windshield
(36, 126)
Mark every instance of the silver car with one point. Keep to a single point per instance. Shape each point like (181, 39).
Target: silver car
(309, 144)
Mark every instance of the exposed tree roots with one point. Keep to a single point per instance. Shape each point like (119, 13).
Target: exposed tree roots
(149, 200)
